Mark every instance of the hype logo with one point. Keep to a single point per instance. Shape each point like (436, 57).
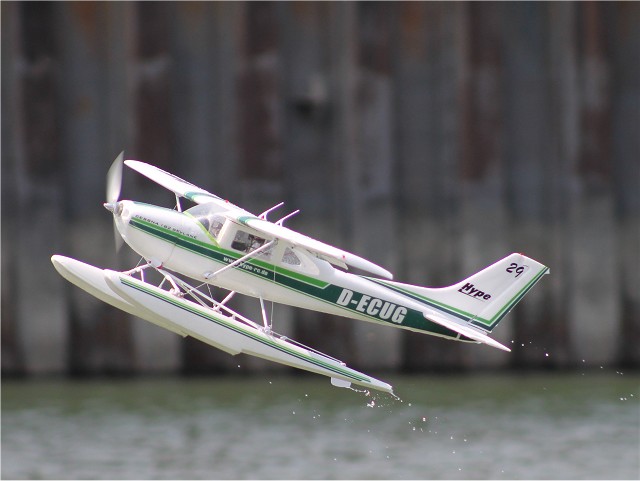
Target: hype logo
(471, 291)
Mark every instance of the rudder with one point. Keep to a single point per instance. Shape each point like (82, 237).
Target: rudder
(484, 298)
(506, 282)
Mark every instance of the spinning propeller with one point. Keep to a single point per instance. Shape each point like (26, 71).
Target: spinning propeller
(114, 185)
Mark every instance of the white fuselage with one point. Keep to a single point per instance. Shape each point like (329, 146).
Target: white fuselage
(283, 274)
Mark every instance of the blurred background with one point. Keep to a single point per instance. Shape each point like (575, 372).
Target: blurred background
(432, 138)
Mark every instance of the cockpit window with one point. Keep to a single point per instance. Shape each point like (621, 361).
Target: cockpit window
(211, 221)
(245, 242)
(215, 224)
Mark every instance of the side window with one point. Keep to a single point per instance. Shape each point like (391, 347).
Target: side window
(290, 258)
(300, 261)
(246, 242)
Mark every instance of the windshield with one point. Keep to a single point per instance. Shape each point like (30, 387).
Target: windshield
(206, 215)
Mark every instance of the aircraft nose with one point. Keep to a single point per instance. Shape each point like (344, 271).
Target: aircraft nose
(115, 207)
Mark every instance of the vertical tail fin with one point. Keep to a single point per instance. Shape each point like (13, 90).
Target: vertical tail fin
(488, 295)
(500, 286)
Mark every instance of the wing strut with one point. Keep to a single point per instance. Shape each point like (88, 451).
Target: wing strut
(267, 323)
(228, 298)
(211, 275)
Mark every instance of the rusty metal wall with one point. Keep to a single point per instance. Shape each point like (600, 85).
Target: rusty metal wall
(430, 137)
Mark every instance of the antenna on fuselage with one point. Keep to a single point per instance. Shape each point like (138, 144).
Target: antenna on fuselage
(264, 214)
(279, 222)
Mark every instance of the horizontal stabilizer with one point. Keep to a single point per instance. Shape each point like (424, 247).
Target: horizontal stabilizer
(466, 331)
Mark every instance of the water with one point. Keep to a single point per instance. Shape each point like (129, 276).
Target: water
(579, 426)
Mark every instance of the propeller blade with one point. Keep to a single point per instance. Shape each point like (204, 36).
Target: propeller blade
(114, 179)
(114, 186)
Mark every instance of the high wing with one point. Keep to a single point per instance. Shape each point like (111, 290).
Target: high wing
(195, 194)
(324, 251)
(178, 186)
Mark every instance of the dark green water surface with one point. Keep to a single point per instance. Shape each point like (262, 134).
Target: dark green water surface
(540, 426)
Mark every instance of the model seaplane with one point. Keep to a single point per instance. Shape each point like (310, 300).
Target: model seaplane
(218, 243)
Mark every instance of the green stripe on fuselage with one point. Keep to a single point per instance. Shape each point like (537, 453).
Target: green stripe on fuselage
(424, 300)
(224, 256)
(487, 324)
(309, 286)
